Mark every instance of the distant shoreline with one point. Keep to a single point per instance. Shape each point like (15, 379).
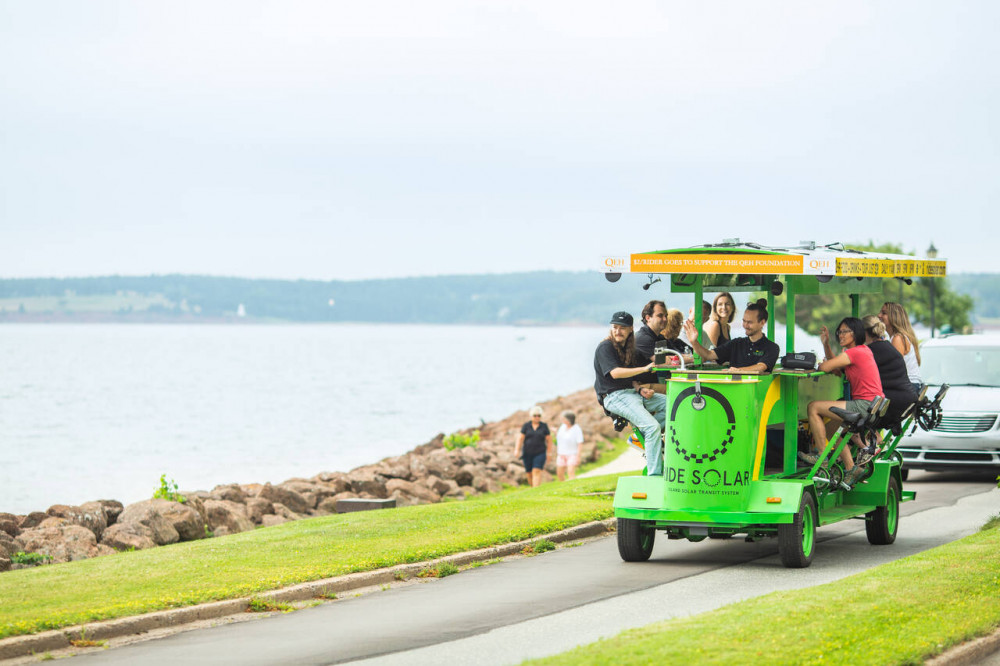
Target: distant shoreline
(152, 318)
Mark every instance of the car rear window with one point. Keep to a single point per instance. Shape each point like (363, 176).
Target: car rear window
(976, 366)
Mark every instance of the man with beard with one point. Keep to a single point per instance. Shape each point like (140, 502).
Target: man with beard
(617, 364)
(654, 320)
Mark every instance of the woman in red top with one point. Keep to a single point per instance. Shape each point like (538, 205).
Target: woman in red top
(857, 362)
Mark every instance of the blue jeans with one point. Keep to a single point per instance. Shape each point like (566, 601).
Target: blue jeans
(646, 414)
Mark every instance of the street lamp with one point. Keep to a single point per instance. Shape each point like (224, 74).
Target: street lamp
(932, 254)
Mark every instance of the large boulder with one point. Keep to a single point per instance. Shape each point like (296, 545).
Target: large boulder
(286, 513)
(184, 518)
(128, 536)
(406, 492)
(310, 491)
(418, 469)
(9, 527)
(7, 545)
(257, 508)
(149, 513)
(282, 495)
(486, 484)
(112, 509)
(439, 463)
(65, 543)
(338, 481)
(440, 486)
(33, 519)
(90, 515)
(230, 492)
(396, 468)
(225, 517)
(196, 501)
(366, 482)
(466, 473)
(270, 520)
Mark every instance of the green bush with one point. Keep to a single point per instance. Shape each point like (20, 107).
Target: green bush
(544, 545)
(457, 440)
(31, 559)
(168, 491)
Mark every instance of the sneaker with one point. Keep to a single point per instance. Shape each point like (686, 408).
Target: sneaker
(809, 458)
(854, 475)
(867, 454)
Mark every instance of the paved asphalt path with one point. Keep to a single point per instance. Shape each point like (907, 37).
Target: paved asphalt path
(521, 608)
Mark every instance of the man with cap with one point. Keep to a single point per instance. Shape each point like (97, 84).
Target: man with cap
(616, 364)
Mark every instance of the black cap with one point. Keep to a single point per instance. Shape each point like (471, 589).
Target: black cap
(621, 318)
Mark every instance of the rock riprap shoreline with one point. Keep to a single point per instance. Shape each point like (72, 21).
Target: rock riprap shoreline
(427, 474)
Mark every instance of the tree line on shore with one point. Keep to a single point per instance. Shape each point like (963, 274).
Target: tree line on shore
(542, 297)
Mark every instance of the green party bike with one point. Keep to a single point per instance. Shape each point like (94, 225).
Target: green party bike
(731, 439)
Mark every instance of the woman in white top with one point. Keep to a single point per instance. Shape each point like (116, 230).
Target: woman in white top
(897, 325)
(569, 438)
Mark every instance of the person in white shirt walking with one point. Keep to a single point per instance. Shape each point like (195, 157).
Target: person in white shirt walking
(569, 438)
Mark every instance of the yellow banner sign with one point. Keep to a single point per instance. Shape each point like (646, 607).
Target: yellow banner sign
(762, 264)
(881, 268)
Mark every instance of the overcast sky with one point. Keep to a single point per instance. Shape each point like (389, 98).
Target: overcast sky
(335, 140)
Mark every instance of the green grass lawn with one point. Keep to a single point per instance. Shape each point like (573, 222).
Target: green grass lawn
(898, 613)
(49, 597)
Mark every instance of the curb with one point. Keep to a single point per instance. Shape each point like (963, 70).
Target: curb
(58, 639)
(972, 652)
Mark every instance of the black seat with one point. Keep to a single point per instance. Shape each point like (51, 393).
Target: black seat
(855, 422)
(877, 413)
(851, 419)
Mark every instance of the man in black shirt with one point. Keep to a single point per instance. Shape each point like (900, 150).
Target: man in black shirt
(617, 364)
(654, 318)
(748, 354)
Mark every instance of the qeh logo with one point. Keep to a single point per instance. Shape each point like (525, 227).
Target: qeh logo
(819, 264)
(615, 264)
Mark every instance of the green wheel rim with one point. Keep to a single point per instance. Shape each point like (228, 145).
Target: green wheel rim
(808, 530)
(892, 511)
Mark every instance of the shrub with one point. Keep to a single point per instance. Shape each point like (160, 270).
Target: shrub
(544, 545)
(457, 440)
(258, 605)
(30, 559)
(168, 491)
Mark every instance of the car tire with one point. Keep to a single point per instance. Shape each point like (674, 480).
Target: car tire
(882, 523)
(635, 539)
(797, 540)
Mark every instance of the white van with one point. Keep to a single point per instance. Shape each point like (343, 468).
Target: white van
(968, 436)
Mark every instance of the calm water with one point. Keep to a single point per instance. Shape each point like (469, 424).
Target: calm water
(101, 411)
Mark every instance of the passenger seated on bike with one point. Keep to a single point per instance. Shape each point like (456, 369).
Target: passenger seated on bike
(892, 371)
(858, 363)
(616, 363)
(747, 354)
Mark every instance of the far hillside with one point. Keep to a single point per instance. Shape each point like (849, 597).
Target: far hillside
(535, 298)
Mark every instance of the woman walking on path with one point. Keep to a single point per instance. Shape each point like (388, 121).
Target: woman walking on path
(533, 446)
(569, 438)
